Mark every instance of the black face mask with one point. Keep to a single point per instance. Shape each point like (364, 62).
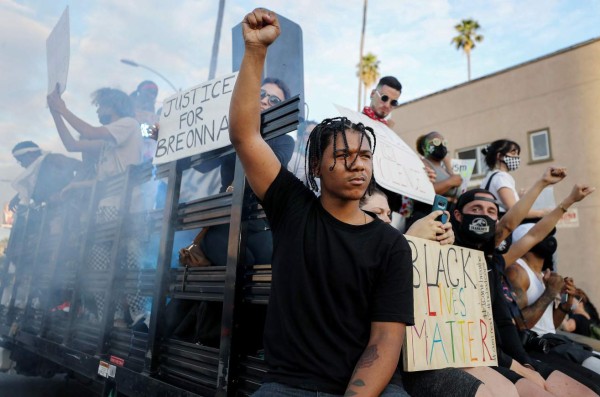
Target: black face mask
(545, 248)
(477, 230)
(439, 152)
(105, 119)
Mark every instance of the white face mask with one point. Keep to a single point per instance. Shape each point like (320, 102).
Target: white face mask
(512, 162)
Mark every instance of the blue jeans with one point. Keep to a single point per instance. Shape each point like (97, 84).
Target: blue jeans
(278, 389)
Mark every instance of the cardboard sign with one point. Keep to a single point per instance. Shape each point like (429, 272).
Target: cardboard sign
(453, 309)
(395, 165)
(195, 121)
(464, 168)
(58, 53)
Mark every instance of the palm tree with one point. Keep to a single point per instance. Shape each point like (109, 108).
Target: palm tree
(466, 39)
(360, 55)
(368, 73)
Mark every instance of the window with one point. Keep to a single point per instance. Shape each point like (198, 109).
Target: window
(475, 153)
(539, 146)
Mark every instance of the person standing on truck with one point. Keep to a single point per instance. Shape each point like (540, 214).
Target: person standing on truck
(341, 294)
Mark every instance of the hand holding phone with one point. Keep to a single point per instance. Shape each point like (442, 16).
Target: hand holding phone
(440, 203)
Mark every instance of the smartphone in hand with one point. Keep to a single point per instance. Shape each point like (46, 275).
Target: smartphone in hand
(440, 203)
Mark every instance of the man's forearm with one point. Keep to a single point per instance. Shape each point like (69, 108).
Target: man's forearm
(84, 129)
(376, 365)
(519, 211)
(535, 311)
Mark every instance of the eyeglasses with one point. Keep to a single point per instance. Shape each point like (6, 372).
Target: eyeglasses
(273, 99)
(385, 98)
(438, 142)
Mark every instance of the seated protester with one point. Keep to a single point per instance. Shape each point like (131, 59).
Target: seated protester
(341, 293)
(583, 316)
(476, 225)
(434, 153)
(537, 288)
(447, 382)
(502, 157)
(45, 174)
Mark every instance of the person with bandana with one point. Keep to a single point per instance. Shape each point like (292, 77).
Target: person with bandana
(502, 157)
(384, 98)
(477, 226)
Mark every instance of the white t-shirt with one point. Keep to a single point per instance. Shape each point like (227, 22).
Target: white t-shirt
(124, 151)
(501, 179)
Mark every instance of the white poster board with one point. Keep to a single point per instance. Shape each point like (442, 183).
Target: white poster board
(196, 120)
(58, 53)
(454, 326)
(395, 165)
(464, 168)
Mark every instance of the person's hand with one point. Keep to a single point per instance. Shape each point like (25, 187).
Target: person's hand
(260, 28)
(528, 374)
(570, 288)
(154, 131)
(427, 228)
(554, 282)
(446, 238)
(579, 192)
(554, 175)
(14, 203)
(430, 173)
(55, 102)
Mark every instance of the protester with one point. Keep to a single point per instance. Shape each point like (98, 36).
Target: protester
(118, 144)
(433, 149)
(332, 326)
(144, 102)
(536, 288)
(476, 226)
(583, 317)
(384, 98)
(503, 156)
(44, 176)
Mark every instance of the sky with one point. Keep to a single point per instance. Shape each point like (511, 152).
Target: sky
(411, 39)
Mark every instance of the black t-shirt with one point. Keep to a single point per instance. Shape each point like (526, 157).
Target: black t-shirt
(330, 281)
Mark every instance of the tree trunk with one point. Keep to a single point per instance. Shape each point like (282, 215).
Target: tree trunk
(360, 59)
(468, 65)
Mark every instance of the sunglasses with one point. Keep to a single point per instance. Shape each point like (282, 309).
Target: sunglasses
(438, 142)
(273, 100)
(385, 98)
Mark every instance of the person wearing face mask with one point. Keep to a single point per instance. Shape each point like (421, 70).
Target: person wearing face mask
(502, 157)
(477, 226)
(536, 287)
(433, 149)
(117, 142)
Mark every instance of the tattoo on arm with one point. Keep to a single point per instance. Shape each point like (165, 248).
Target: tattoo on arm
(368, 357)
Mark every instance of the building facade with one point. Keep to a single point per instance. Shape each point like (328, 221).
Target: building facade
(551, 107)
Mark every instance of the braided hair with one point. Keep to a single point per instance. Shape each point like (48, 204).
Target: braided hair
(327, 131)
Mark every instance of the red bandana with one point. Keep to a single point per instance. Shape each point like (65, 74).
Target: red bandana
(369, 112)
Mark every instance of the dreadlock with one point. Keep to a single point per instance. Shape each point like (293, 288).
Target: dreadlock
(327, 131)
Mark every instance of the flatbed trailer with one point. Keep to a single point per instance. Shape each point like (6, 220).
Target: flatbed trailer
(48, 260)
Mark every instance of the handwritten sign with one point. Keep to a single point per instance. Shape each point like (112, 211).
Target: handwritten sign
(464, 168)
(195, 121)
(453, 310)
(395, 165)
(58, 53)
